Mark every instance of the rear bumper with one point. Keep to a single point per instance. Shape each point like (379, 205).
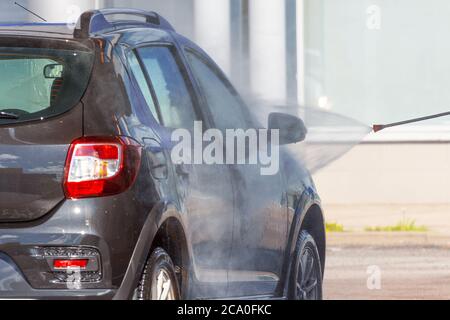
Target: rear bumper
(14, 286)
(111, 226)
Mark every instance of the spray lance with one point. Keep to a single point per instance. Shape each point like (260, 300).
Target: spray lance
(379, 127)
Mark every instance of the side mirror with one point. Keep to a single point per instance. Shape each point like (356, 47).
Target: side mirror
(53, 71)
(291, 128)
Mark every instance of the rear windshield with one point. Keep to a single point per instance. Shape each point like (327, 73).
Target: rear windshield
(37, 83)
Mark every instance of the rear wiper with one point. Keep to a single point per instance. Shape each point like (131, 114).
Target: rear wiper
(379, 127)
(8, 115)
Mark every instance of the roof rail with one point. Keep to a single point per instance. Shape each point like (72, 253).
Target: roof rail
(31, 24)
(94, 21)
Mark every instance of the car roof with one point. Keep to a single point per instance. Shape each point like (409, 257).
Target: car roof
(132, 35)
(93, 23)
(47, 30)
(63, 31)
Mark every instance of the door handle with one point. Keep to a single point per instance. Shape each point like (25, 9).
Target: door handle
(157, 159)
(182, 171)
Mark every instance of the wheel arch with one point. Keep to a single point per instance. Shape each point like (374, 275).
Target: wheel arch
(308, 216)
(164, 220)
(172, 238)
(314, 223)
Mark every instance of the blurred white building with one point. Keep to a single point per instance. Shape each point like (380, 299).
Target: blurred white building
(371, 60)
(254, 41)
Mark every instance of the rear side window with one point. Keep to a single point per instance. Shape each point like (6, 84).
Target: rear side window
(37, 83)
(169, 86)
(142, 82)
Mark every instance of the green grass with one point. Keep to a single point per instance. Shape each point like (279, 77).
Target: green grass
(334, 227)
(405, 225)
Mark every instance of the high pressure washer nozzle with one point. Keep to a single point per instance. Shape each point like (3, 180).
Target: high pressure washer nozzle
(377, 127)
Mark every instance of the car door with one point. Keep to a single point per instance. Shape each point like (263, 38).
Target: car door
(204, 193)
(260, 227)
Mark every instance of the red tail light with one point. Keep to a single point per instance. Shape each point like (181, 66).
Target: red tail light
(101, 166)
(61, 264)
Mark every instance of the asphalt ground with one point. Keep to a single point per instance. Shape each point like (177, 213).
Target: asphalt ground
(390, 266)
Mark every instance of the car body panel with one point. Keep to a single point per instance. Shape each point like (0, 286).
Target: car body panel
(260, 226)
(32, 159)
(206, 210)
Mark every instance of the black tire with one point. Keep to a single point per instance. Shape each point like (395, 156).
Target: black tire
(159, 280)
(306, 272)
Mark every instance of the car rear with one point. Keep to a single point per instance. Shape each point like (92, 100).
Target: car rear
(63, 196)
(41, 114)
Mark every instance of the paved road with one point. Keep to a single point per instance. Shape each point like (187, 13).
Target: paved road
(405, 272)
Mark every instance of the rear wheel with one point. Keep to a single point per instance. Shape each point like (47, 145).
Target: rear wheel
(306, 275)
(159, 280)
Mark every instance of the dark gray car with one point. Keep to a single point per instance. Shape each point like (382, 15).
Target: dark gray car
(91, 203)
